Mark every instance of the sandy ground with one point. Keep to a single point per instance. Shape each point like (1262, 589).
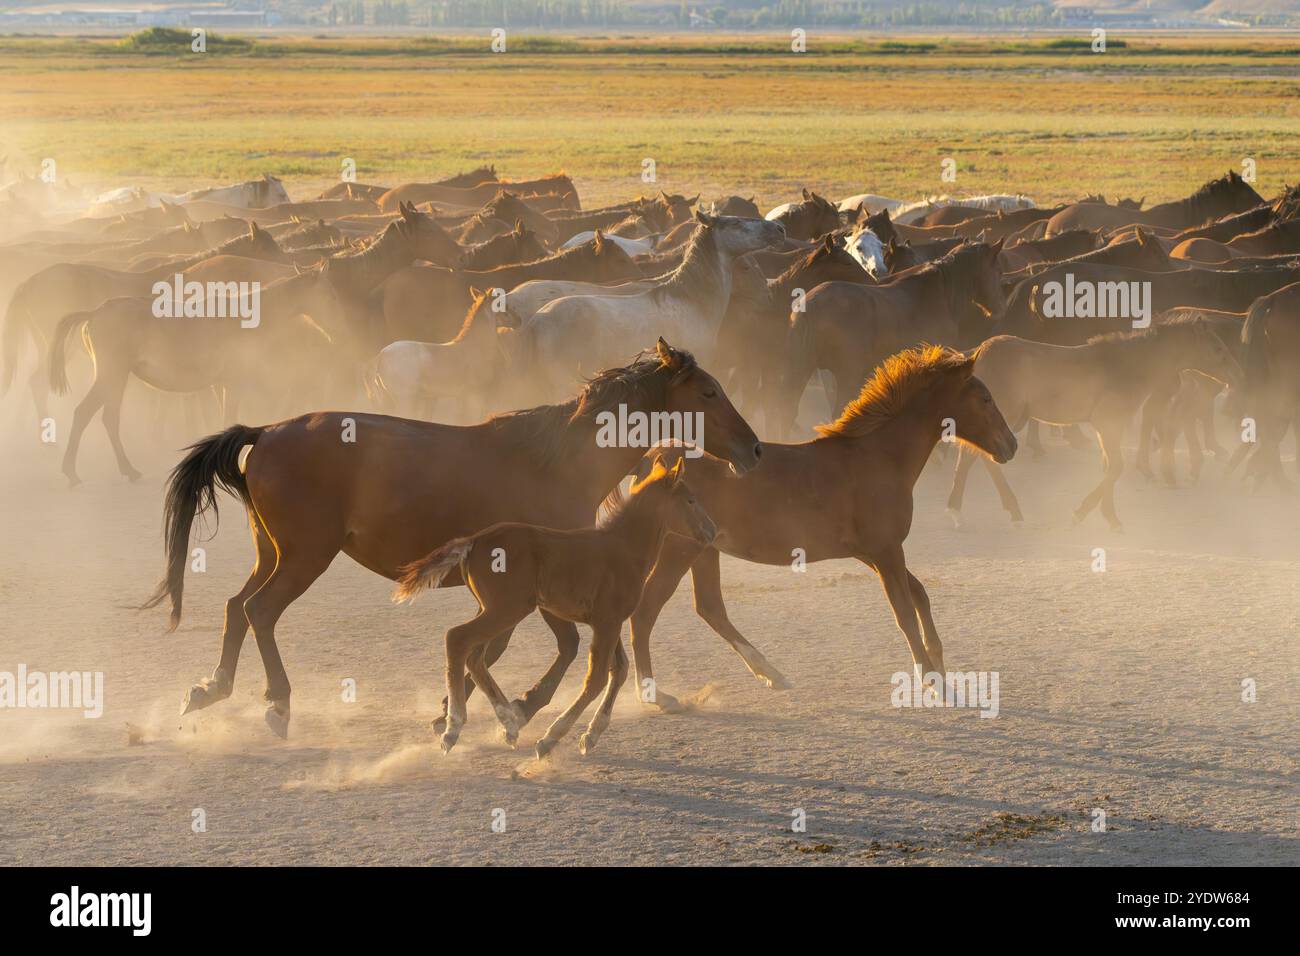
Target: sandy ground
(1119, 690)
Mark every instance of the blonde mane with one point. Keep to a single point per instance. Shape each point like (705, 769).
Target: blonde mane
(892, 387)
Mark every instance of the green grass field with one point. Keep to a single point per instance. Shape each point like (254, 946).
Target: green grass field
(1152, 117)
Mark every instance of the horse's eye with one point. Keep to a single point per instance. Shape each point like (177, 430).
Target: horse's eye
(710, 393)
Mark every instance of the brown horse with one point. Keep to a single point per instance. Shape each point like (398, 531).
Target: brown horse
(591, 576)
(402, 488)
(848, 329)
(1103, 382)
(1217, 198)
(518, 245)
(475, 196)
(270, 353)
(811, 218)
(845, 494)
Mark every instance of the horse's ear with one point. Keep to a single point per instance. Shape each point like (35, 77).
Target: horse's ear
(703, 218)
(669, 357)
(475, 293)
(693, 200)
(750, 199)
(807, 195)
(295, 220)
(599, 240)
(828, 242)
(997, 246)
(519, 227)
(892, 247)
(252, 229)
(678, 471)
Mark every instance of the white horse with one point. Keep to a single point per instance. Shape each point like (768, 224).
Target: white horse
(914, 212)
(526, 300)
(873, 203)
(865, 246)
(633, 247)
(582, 334)
(253, 194)
(412, 376)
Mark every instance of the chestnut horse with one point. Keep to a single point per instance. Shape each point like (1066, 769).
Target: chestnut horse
(590, 576)
(845, 494)
(400, 488)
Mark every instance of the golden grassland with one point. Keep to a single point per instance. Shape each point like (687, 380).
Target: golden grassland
(1154, 117)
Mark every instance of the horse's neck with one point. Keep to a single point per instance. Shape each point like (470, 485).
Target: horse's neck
(640, 531)
(366, 270)
(906, 440)
(717, 262)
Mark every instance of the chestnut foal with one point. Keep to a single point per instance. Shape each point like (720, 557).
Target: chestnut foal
(589, 576)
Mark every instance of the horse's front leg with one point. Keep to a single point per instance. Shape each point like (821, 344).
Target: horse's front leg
(604, 638)
(896, 581)
(706, 577)
(675, 559)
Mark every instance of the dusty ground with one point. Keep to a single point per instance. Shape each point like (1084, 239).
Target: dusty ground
(1119, 690)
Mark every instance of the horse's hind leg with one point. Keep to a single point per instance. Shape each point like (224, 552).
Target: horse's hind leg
(706, 576)
(510, 715)
(495, 648)
(219, 686)
(675, 559)
(85, 411)
(115, 388)
(294, 572)
(1109, 436)
(566, 649)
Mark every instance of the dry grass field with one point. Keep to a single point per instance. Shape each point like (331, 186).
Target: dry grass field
(1155, 117)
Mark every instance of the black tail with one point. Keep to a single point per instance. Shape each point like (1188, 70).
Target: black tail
(1254, 340)
(192, 490)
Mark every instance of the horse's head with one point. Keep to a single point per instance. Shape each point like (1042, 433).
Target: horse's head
(609, 261)
(692, 390)
(428, 240)
(736, 206)
(812, 217)
(665, 489)
(977, 279)
(274, 191)
(736, 236)
(966, 405)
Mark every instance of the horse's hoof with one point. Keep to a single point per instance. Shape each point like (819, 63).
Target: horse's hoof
(955, 516)
(544, 747)
(775, 680)
(277, 718)
(665, 703)
(132, 476)
(73, 480)
(586, 744)
(448, 740)
(196, 698)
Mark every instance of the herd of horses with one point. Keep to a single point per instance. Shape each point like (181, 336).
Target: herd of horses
(481, 331)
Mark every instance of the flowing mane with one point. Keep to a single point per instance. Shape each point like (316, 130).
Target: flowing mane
(891, 389)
